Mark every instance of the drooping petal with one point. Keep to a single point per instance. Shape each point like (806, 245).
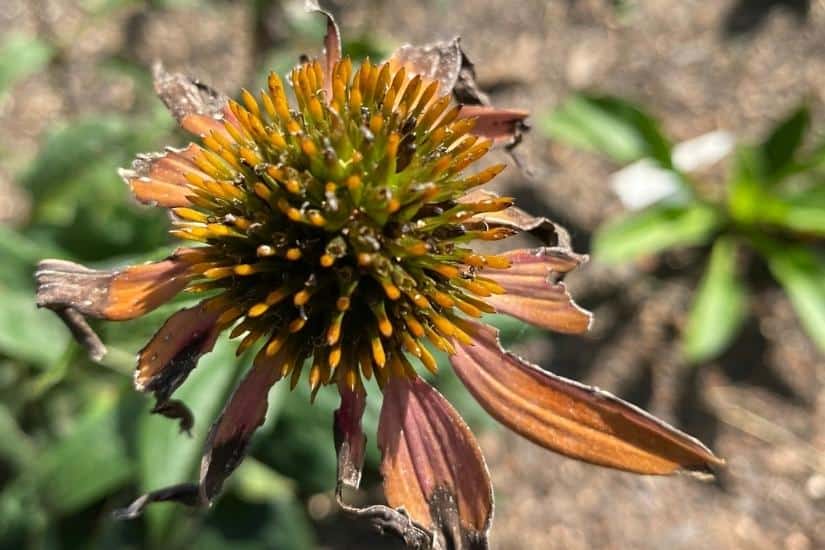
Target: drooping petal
(439, 61)
(332, 44)
(496, 124)
(226, 444)
(115, 295)
(432, 465)
(350, 441)
(166, 361)
(532, 292)
(570, 418)
(158, 178)
(229, 437)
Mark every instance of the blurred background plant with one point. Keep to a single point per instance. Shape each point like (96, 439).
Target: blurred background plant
(769, 209)
(76, 103)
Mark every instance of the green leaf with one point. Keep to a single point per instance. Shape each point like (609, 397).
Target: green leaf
(746, 191)
(78, 196)
(15, 445)
(655, 229)
(781, 145)
(608, 125)
(801, 272)
(87, 464)
(719, 306)
(804, 211)
(21, 56)
(168, 457)
(254, 481)
(28, 333)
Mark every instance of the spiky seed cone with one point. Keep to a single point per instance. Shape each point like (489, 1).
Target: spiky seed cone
(335, 231)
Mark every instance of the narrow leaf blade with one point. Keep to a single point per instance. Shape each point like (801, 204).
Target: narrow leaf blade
(719, 307)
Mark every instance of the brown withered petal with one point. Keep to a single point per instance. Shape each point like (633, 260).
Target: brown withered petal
(496, 124)
(570, 418)
(432, 465)
(116, 295)
(197, 107)
(350, 441)
(439, 61)
(172, 353)
(533, 293)
(229, 437)
(158, 178)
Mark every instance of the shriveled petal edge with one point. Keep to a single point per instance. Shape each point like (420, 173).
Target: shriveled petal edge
(701, 463)
(74, 291)
(197, 107)
(438, 61)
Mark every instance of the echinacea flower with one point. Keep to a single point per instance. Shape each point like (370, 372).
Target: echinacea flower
(337, 235)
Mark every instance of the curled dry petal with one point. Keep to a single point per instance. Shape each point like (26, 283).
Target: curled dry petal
(432, 465)
(350, 441)
(533, 294)
(579, 421)
(158, 178)
(116, 295)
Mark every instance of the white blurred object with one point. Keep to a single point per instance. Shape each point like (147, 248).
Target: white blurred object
(644, 182)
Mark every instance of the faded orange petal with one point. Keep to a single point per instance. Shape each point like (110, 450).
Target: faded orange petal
(229, 437)
(116, 295)
(496, 124)
(533, 296)
(158, 178)
(432, 465)
(570, 418)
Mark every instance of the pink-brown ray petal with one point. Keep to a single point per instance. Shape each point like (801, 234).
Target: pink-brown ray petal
(533, 294)
(570, 418)
(432, 465)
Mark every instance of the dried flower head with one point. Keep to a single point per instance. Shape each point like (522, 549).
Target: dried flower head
(337, 235)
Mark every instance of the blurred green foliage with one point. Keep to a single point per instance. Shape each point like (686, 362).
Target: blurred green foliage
(772, 205)
(76, 440)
